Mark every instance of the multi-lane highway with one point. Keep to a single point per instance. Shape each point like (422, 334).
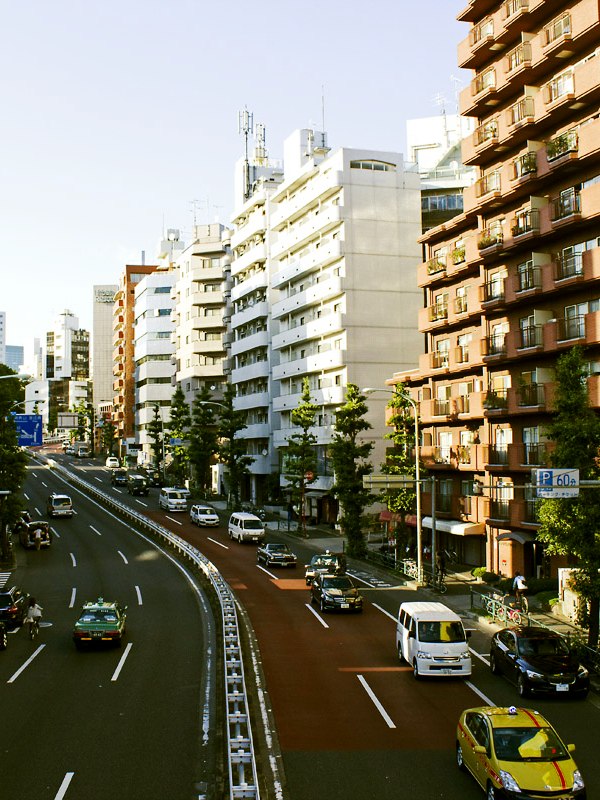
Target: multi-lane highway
(351, 721)
(134, 722)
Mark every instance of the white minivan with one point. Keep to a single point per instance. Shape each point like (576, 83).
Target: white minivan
(172, 499)
(431, 638)
(246, 527)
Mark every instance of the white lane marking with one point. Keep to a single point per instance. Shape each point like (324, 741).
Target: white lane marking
(368, 583)
(55, 533)
(13, 678)
(64, 786)
(479, 656)
(140, 502)
(37, 511)
(44, 484)
(118, 491)
(139, 595)
(266, 571)
(175, 520)
(214, 541)
(383, 611)
(73, 594)
(25, 495)
(376, 702)
(95, 531)
(122, 556)
(73, 559)
(121, 662)
(484, 697)
(96, 478)
(312, 611)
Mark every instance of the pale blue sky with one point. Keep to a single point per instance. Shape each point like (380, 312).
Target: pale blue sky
(116, 115)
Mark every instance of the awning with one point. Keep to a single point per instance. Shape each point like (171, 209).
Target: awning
(517, 536)
(455, 526)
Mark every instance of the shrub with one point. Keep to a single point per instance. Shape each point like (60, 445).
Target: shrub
(490, 577)
(478, 572)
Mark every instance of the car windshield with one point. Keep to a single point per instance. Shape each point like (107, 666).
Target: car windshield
(278, 548)
(61, 501)
(322, 561)
(253, 524)
(528, 744)
(338, 583)
(441, 632)
(176, 496)
(98, 615)
(205, 511)
(543, 646)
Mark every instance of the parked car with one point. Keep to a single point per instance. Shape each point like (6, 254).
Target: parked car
(245, 527)
(118, 477)
(69, 450)
(276, 554)
(100, 621)
(28, 534)
(204, 515)
(514, 752)
(172, 499)
(3, 637)
(332, 563)
(13, 606)
(335, 593)
(112, 462)
(59, 505)
(137, 485)
(538, 661)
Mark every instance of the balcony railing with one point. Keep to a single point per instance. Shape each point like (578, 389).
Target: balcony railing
(561, 86)
(523, 110)
(519, 56)
(496, 344)
(442, 455)
(561, 145)
(458, 255)
(460, 304)
(461, 353)
(571, 328)
(530, 394)
(535, 454)
(484, 30)
(530, 510)
(569, 266)
(488, 132)
(463, 454)
(441, 408)
(566, 205)
(490, 237)
(529, 277)
(526, 221)
(435, 265)
(484, 81)
(463, 404)
(439, 359)
(500, 509)
(438, 311)
(531, 336)
(524, 165)
(489, 183)
(493, 290)
(561, 26)
(496, 400)
(512, 7)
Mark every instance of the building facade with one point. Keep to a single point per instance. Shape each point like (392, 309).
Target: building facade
(513, 281)
(102, 343)
(67, 349)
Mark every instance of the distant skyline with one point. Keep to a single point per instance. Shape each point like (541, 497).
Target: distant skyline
(120, 120)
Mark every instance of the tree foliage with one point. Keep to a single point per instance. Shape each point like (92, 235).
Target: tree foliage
(349, 456)
(204, 442)
(156, 430)
(232, 450)
(300, 457)
(13, 462)
(571, 526)
(108, 436)
(179, 424)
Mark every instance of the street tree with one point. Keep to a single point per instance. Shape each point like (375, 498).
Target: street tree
(400, 458)
(156, 432)
(571, 526)
(82, 420)
(232, 450)
(300, 457)
(108, 436)
(204, 442)
(349, 455)
(179, 425)
(13, 462)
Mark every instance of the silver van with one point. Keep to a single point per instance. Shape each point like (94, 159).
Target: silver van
(172, 499)
(246, 527)
(431, 638)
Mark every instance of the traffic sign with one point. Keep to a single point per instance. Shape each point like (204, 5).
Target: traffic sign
(382, 482)
(29, 429)
(557, 483)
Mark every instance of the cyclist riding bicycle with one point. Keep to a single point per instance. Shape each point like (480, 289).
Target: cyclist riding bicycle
(34, 612)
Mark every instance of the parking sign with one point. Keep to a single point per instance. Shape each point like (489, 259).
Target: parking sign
(557, 483)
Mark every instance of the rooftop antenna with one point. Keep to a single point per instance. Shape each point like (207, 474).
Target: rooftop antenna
(260, 149)
(194, 204)
(457, 82)
(440, 101)
(323, 107)
(246, 126)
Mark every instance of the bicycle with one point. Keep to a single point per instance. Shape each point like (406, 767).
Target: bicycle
(438, 584)
(34, 627)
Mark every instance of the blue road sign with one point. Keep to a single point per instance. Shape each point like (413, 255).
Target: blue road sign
(553, 483)
(29, 429)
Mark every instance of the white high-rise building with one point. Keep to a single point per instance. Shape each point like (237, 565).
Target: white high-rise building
(2, 337)
(102, 343)
(67, 349)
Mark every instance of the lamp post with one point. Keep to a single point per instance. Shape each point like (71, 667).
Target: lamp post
(413, 403)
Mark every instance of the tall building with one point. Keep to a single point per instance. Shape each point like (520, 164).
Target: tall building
(14, 357)
(123, 354)
(513, 281)
(67, 349)
(102, 343)
(2, 337)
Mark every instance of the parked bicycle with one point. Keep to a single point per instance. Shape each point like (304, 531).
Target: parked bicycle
(437, 583)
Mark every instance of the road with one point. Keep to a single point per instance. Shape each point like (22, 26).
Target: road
(136, 722)
(351, 720)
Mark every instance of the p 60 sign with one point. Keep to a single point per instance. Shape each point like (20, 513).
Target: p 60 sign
(556, 483)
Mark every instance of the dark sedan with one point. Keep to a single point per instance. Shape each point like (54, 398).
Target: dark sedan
(275, 554)
(538, 661)
(335, 593)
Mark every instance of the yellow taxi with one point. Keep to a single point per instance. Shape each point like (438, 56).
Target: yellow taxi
(515, 753)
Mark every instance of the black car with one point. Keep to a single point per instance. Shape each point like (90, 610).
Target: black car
(335, 593)
(118, 477)
(3, 637)
(137, 485)
(152, 475)
(330, 563)
(13, 606)
(538, 660)
(35, 534)
(275, 554)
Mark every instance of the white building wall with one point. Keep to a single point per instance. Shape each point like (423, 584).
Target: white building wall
(102, 343)
(2, 337)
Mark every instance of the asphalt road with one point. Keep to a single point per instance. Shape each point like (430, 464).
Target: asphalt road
(352, 722)
(135, 722)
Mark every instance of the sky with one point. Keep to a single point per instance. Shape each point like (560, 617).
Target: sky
(119, 119)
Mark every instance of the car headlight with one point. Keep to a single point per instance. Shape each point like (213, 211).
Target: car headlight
(509, 782)
(534, 676)
(326, 596)
(582, 671)
(577, 781)
(423, 654)
(465, 654)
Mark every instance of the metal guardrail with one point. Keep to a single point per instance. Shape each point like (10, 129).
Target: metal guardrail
(241, 753)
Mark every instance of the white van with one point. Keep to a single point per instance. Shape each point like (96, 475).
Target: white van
(172, 499)
(246, 527)
(432, 639)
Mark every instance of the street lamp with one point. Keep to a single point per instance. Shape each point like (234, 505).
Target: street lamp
(19, 377)
(413, 403)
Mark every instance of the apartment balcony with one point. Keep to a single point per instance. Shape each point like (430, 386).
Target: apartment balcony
(250, 401)
(255, 225)
(495, 402)
(525, 224)
(528, 282)
(324, 435)
(258, 430)
(317, 257)
(202, 298)
(314, 329)
(524, 341)
(254, 254)
(303, 231)
(531, 397)
(318, 292)
(211, 323)
(562, 333)
(328, 396)
(490, 241)
(118, 322)
(493, 293)
(257, 281)
(433, 316)
(481, 92)
(331, 359)
(577, 268)
(249, 314)
(250, 342)
(465, 305)
(316, 189)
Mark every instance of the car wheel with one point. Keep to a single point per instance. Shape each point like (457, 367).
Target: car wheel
(491, 792)
(416, 669)
(400, 656)
(312, 598)
(494, 664)
(522, 687)
(460, 762)
(322, 605)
